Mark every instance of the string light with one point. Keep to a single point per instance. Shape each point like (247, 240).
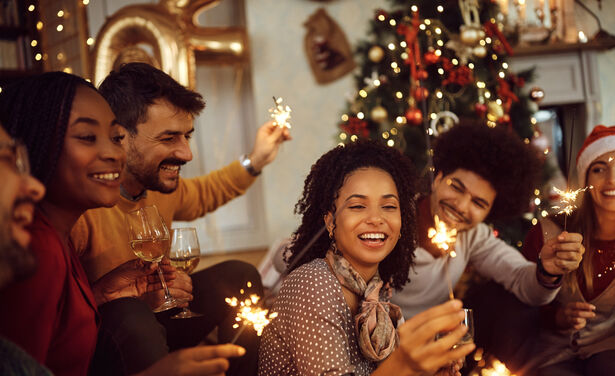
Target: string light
(392, 22)
(90, 41)
(31, 8)
(343, 136)
(60, 27)
(440, 8)
(381, 17)
(360, 115)
(60, 13)
(33, 43)
(86, 2)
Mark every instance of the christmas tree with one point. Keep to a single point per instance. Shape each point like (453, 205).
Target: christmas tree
(428, 64)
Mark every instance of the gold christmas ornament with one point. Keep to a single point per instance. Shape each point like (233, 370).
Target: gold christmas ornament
(469, 35)
(537, 94)
(480, 51)
(375, 54)
(494, 111)
(379, 114)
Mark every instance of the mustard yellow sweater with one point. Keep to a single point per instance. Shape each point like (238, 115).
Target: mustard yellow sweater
(100, 236)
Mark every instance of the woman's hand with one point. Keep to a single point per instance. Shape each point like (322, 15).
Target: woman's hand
(199, 360)
(180, 287)
(133, 278)
(418, 351)
(574, 315)
(563, 253)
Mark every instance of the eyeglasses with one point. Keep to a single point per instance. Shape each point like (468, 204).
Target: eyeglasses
(19, 155)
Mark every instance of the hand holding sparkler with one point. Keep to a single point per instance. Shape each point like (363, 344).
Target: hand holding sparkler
(562, 254)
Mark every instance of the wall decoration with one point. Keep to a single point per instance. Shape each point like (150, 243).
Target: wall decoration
(328, 51)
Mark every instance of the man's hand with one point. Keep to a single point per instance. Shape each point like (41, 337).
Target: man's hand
(574, 315)
(418, 352)
(269, 137)
(562, 254)
(200, 360)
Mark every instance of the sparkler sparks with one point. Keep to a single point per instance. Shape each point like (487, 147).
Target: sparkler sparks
(567, 199)
(280, 113)
(249, 313)
(442, 237)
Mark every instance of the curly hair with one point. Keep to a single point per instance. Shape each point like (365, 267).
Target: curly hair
(36, 110)
(497, 155)
(321, 189)
(136, 86)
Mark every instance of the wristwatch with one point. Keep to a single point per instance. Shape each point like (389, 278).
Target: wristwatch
(247, 164)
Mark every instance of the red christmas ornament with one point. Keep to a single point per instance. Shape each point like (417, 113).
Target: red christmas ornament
(414, 116)
(422, 74)
(505, 119)
(481, 109)
(356, 126)
(431, 57)
(420, 93)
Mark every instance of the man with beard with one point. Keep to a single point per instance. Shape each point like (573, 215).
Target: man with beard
(158, 113)
(19, 192)
(482, 173)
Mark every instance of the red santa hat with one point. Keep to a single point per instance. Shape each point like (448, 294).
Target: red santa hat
(600, 141)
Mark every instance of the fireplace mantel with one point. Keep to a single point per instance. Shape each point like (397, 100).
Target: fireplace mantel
(568, 74)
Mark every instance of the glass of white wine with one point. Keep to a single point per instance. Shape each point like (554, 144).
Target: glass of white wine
(148, 237)
(185, 254)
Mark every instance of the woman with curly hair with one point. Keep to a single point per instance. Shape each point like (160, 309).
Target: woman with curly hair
(334, 314)
(577, 332)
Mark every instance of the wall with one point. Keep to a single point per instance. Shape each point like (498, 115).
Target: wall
(280, 68)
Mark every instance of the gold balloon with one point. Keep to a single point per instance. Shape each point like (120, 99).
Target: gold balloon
(166, 36)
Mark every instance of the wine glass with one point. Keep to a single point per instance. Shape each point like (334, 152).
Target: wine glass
(185, 254)
(468, 337)
(148, 237)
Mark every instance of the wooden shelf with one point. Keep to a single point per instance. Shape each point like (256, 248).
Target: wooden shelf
(602, 42)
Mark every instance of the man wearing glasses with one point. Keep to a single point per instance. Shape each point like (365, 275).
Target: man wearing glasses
(19, 193)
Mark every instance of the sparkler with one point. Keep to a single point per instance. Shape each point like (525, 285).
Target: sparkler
(444, 239)
(250, 313)
(280, 113)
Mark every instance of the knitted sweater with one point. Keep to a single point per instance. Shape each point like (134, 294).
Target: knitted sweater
(100, 237)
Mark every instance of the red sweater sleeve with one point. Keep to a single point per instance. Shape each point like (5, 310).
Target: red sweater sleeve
(533, 243)
(30, 307)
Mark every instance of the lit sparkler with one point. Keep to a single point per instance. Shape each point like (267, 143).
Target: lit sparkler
(280, 113)
(249, 313)
(567, 199)
(442, 237)
(497, 369)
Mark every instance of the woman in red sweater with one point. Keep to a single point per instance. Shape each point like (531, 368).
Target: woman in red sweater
(75, 149)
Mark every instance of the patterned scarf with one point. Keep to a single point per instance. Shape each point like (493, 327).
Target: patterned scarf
(376, 322)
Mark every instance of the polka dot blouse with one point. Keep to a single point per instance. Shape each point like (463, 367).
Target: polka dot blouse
(314, 331)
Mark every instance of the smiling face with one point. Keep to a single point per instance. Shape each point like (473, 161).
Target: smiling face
(159, 148)
(368, 222)
(461, 199)
(89, 168)
(601, 176)
(18, 196)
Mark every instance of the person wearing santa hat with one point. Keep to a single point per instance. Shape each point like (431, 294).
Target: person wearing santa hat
(580, 336)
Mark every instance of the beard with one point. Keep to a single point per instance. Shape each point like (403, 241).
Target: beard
(149, 175)
(16, 262)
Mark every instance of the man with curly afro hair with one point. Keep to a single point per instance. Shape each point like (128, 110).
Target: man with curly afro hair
(482, 173)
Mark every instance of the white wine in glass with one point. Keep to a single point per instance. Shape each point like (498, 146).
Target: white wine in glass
(148, 237)
(184, 255)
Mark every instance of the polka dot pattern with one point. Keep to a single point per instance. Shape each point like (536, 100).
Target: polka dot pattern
(314, 331)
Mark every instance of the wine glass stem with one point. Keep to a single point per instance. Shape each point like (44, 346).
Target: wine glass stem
(167, 294)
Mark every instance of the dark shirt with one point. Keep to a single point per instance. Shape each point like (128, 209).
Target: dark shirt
(16, 362)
